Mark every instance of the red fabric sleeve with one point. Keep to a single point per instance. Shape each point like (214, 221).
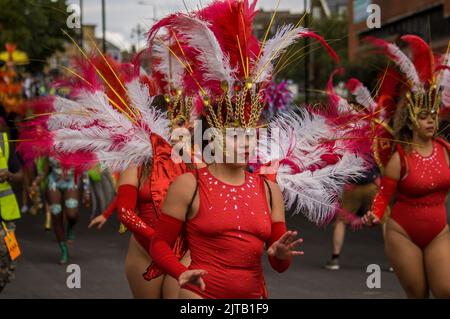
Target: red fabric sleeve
(110, 210)
(126, 205)
(278, 230)
(401, 153)
(387, 189)
(167, 231)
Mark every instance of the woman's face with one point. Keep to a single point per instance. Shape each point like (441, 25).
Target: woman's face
(240, 145)
(427, 122)
(180, 131)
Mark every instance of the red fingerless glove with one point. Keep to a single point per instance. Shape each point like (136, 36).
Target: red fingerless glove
(110, 210)
(126, 205)
(167, 230)
(387, 189)
(278, 230)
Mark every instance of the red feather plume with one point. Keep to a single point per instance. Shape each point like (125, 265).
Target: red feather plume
(234, 19)
(422, 57)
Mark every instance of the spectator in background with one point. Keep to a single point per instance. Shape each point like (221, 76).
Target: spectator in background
(10, 171)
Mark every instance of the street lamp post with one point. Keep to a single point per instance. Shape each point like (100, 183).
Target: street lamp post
(143, 3)
(138, 31)
(305, 3)
(103, 26)
(81, 23)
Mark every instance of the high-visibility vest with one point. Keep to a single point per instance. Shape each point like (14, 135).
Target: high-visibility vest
(9, 209)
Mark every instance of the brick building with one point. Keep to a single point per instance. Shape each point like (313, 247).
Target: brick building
(429, 19)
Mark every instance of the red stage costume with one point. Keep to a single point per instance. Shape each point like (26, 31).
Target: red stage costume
(425, 181)
(365, 118)
(422, 192)
(231, 69)
(236, 220)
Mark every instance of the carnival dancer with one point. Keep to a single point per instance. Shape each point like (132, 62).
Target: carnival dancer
(63, 199)
(228, 214)
(373, 117)
(417, 241)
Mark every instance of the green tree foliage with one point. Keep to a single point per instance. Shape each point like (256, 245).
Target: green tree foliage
(35, 26)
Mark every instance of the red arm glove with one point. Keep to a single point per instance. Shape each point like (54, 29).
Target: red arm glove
(278, 230)
(110, 210)
(126, 204)
(167, 231)
(387, 189)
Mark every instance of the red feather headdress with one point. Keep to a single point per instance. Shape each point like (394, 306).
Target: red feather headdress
(221, 58)
(426, 76)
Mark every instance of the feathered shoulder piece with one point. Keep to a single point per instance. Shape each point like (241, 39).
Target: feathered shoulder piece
(316, 152)
(311, 159)
(108, 119)
(367, 115)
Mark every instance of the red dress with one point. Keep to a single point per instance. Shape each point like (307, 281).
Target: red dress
(420, 206)
(227, 236)
(152, 193)
(146, 211)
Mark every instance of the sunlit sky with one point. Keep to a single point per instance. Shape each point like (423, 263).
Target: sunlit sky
(122, 16)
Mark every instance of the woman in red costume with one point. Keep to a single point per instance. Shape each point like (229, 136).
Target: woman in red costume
(372, 117)
(233, 215)
(417, 241)
(141, 189)
(122, 129)
(227, 214)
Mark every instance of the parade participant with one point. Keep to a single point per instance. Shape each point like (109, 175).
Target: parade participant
(373, 117)
(63, 199)
(10, 85)
(111, 119)
(417, 241)
(152, 180)
(228, 214)
(10, 171)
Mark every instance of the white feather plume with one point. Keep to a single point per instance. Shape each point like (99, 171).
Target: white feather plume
(153, 118)
(406, 66)
(364, 97)
(167, 64)
(67, 114)
(214, 63)
(316, 194)
(286, 35)
(107, 133)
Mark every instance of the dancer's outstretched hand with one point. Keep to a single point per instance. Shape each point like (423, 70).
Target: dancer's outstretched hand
(100, 220)
(370, 219)
(284, 247)
(193, 277)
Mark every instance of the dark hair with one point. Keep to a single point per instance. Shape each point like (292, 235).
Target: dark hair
(402, 123)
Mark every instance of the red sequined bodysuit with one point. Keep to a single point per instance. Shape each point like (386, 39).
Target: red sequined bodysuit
(227, 236)
(151, 194)
(420, 205)
(146, 210)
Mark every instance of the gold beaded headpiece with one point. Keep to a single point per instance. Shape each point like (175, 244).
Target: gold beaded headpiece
(424, 74)
(179, 108)
(222, 59)
(419, 102)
